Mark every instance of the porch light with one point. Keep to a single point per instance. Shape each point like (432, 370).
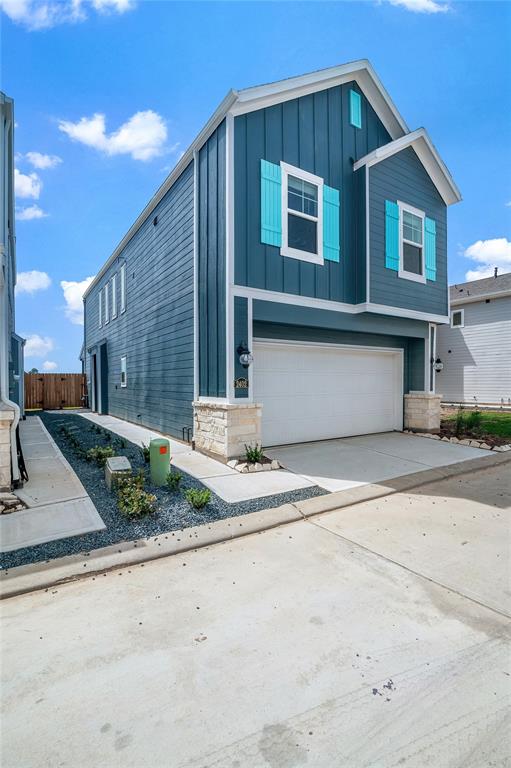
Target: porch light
(245, 355)
(439, 366)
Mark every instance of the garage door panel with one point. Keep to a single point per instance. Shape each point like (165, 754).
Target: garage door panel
(314, 393)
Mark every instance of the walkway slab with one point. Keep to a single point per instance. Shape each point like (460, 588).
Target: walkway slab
(241, 487)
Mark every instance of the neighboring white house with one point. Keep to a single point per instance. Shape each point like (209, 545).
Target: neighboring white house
(476, 347)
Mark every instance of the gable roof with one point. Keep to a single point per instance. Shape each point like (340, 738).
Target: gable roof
(260, 96)
(475, 290)
(427, 154)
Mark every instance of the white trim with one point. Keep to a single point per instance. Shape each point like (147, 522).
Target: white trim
(124, 364)
(123, 287)
(291, 170)
(480, 297)
(430, 357)
(229, 257)
(113, 283)
(462, 312)
(250, 342)
(107, 304)
(427, 154)
(368, 252)
(336, 306)
(195, 275)
(402, 272)
(100, 307)
(207, 399)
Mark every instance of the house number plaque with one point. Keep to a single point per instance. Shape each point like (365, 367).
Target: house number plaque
(241, 383)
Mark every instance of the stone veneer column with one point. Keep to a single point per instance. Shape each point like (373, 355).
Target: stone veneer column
(223, 429)
(422, 411)
(6, 419)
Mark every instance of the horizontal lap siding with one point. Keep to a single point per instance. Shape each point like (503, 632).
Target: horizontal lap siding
(156, 331)
(312, 133)
(403, 177)
(477, 358)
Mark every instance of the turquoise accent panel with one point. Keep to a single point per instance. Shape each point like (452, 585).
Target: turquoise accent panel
(331, 223)
(430, 247)
(355, 109)
(271, 203)
(391, 235)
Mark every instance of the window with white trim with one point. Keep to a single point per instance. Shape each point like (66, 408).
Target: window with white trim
(458, 318)
(302, 214)
(114, 296)
(411, 243)
(124, 371)
(123, 288)
(107, 311)
(100, 307)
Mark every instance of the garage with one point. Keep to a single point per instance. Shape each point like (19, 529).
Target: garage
(323, 391)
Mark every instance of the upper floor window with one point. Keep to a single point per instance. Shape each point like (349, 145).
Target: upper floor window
(124, 371)
(100, 307)
(107, 309)
(123, 288)
(355, 109)
(457, 318)
(114, 296)
(411, 243)
(302, 215)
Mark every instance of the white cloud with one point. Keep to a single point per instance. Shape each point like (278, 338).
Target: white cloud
(30, 282)
(49, 365)
(27, 184)
(37, 346)
(44, 14)
(32, 212)
(488, 254)
(42, 162)
(142, 136)
(73, 293)
(421, 6)
(508, 205)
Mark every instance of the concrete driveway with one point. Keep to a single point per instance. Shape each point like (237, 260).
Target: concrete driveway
(336, 465)
(371, 637)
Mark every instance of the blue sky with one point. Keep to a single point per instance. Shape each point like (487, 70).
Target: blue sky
(109, 92)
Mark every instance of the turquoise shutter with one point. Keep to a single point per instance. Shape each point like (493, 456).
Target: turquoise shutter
(430, 248)
(355, 109)
(331, 223)
(391, 235)
(271, 204)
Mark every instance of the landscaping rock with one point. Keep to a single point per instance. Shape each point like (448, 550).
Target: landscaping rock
(435, 437)
(445, 440)
(116, 468)
(485, 446)
(233, 464)
(475, 444)
(454, 440)
(465, 442)
(275, 464)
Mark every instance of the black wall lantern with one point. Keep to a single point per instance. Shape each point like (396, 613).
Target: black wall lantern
(245, 355)
(439, 366)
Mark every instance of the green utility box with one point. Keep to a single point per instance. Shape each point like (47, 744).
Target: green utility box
(159, 451)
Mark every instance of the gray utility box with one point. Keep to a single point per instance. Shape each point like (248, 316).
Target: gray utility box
(116, 468)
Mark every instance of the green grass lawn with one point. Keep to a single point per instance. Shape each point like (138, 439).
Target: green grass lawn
(492, 422)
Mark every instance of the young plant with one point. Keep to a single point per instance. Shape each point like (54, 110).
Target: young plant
(173, 480)
(253, 453)
(459, 424)
(198, 498)
(132, 499)
(100, 454)
(146, 453)
(474, 421)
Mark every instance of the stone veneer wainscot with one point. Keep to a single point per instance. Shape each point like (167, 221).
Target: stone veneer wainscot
(422, 412)
(223, 429)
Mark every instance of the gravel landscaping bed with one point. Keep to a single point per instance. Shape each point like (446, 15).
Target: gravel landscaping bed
(172, 513)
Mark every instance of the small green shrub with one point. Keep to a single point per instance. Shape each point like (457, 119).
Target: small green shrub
(100, 454)
(253, 453)
(173, 480)
(473, 421)
(459, 424)
(146, 453)
(132, 499)
(108, 436)
(198, 498)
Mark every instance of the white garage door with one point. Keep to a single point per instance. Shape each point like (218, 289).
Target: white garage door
(317, 392)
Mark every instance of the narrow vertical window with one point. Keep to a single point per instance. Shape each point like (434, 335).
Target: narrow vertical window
(114, 296)
(124, 372)
(123, 288)
(107, 312)
(355, 109)
(100, 307)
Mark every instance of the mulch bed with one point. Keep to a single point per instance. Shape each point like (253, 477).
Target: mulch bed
(173, 512)
(448, 429)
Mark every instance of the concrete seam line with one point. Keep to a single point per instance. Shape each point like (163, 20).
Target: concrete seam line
(409, 570)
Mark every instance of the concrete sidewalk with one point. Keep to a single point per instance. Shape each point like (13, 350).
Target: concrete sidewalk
(326, 642)
(58, 504)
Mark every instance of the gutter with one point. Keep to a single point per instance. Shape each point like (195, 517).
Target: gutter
(480, 297)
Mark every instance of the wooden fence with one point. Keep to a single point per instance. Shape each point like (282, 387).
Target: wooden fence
(55, 390)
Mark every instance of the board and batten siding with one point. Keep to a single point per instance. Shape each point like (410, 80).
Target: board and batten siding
(477, 357)
(403, 177)
(211, 265)
(156, 330)
(313, 133)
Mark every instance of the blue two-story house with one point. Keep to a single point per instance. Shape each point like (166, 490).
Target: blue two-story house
(285, 282)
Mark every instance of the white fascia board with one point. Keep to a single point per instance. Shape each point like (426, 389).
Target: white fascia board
(412, 314)
(176, 172)
(427, 154)
(481, 297)
(261, 96)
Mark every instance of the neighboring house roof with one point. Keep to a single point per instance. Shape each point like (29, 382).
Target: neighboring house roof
(258, 97)
(427, 154)
(476, 290)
